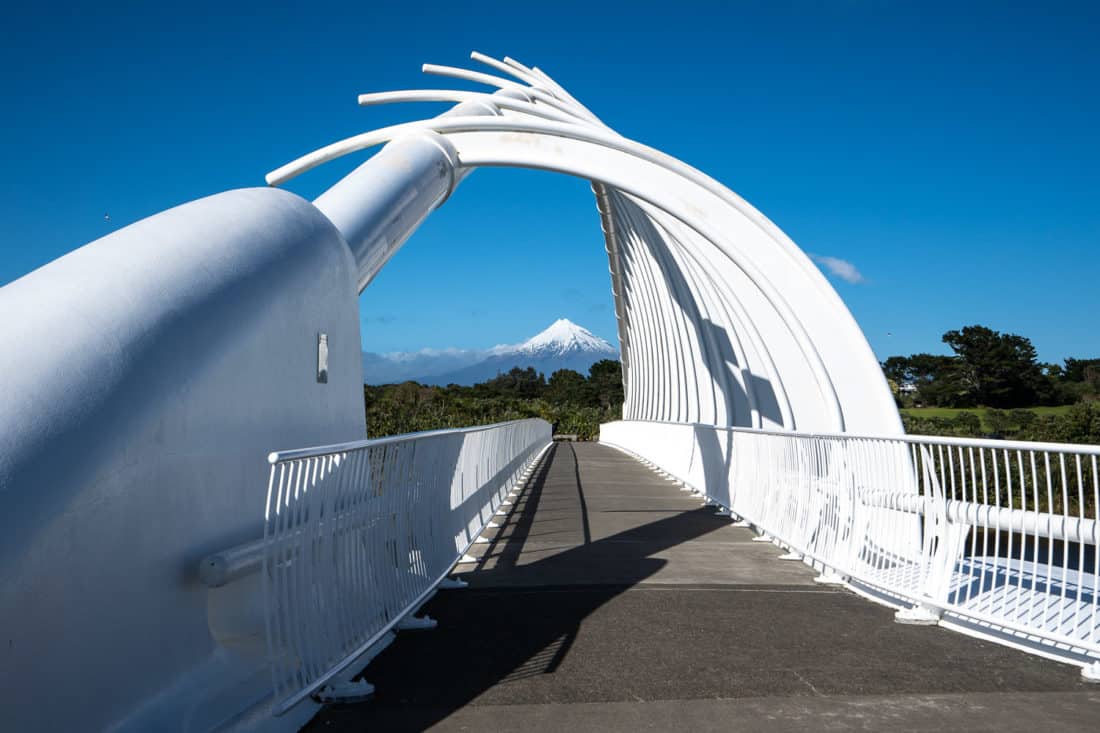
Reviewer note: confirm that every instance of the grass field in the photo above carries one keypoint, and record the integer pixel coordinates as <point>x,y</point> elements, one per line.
<point>981,412</point>
<point>950,412</point>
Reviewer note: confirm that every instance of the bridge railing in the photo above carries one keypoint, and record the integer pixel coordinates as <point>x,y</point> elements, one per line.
<point>998,536</point>
<point>358,535</point>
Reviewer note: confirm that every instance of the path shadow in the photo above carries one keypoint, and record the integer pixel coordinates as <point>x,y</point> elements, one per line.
<point>518,618</point>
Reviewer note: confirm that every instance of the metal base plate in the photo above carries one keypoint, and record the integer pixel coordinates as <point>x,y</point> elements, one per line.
<point>345,692</point>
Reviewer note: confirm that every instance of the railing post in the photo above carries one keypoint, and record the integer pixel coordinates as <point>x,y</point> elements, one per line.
<point>941,555</point>
<point>355,529</point>
<point>893,515</point>
<point>830,576</point>
<point>416,623</point>
<point>453,584</point>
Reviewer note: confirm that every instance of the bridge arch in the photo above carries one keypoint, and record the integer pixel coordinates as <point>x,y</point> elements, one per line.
<point>150,372</point>
<point>722,319</point>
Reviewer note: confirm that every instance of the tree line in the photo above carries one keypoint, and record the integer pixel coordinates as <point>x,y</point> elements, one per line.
<point>1080,423</point>
<point>990,369</point>
<point>572,402</point>
<point>996,377</point>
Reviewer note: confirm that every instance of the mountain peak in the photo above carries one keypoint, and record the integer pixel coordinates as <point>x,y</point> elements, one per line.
<point>564,345</point>
<point>563,336</point>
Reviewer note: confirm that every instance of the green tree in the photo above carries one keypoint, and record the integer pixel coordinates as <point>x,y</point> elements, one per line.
<point>571,402</point>
<point>606,380</point>
<point>997,369</point>
<point>937,378</point>
<point>1081,424</point>
<point>1082,370</point>
<point>568,387</point>
<point>1077,381</point>
<point>526,383</point>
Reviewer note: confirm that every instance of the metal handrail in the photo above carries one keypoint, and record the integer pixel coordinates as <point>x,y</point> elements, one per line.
<point>1001,534</point>
<point>358,535</point>
<point>335,448</point>
<point>1082,448</point>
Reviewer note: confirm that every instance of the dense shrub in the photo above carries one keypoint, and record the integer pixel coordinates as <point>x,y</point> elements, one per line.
<point>572,403</point>
<point>1079,424</point>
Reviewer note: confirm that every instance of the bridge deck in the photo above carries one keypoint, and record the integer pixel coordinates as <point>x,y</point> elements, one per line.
<point>610,600</point>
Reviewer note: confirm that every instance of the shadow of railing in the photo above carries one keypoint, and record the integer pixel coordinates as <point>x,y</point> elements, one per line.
<point>516,620</point>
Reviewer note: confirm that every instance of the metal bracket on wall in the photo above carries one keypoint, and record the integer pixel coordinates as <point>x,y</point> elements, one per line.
<point>345,692</point>
<point>322,358</point>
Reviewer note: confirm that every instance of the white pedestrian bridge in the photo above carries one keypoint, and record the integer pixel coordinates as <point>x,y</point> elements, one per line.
<point>197,538</point>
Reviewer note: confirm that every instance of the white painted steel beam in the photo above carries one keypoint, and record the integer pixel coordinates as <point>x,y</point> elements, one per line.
<point>194,341</point>
<point>721,318</point>
<point>995,538</point>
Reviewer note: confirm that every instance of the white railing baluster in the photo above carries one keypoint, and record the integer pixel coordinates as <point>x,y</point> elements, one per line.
<point>901,515</point>
<point>1095,555</point>
<point>357,535</point>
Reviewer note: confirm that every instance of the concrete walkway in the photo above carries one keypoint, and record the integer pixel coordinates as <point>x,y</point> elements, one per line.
<point>611,600</point>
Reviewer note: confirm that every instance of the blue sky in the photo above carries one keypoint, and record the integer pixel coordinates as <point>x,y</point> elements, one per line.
<point>949,152</point>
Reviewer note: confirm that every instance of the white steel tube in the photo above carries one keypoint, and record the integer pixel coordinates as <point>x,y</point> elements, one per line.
<point>452,95</point>
<point>382,202</point>
<point>362,533</point>
<point>616,143</point>
<point>918,519</point>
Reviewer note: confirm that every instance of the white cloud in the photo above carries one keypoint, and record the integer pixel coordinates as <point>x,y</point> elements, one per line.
<point>843,269</point>
<point>428,352</point>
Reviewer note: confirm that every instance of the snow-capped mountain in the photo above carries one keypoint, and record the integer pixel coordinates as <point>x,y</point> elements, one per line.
<point>562,338</point>
<point>564,345</point>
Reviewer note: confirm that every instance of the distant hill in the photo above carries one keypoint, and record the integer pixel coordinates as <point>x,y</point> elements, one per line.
<point>564,345</point>
<point>402,366</point>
